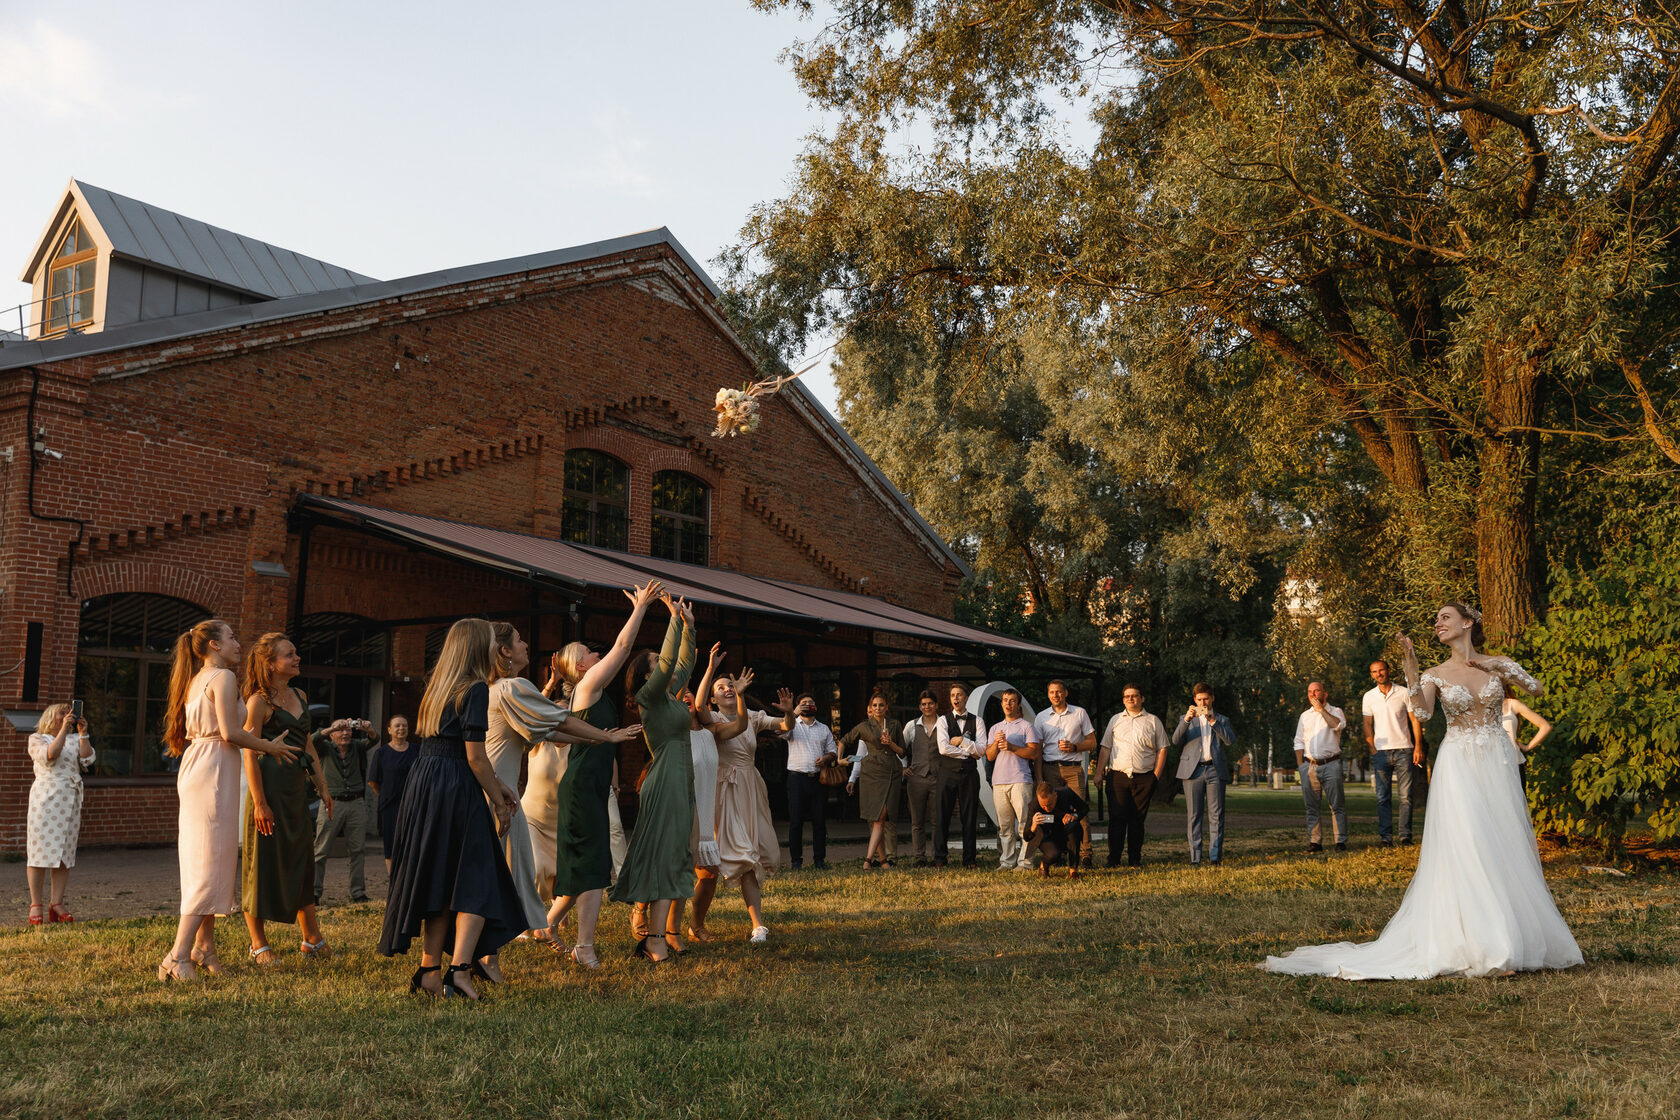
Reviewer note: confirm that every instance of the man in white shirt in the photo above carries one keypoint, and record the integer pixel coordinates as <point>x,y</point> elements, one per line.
<point>1396,741</point>
<point>811,746</point>
<point>1067,735</point>
<point>1318,757</point>
<point>1132,759</point>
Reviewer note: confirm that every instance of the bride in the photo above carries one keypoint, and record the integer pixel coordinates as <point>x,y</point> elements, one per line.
<point>1478,903</point>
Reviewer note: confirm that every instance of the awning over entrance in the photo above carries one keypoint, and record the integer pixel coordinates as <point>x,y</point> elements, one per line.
<point>570,568</point>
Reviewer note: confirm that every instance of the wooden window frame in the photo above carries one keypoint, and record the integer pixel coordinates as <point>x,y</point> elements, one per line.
<point>49,326</point>
<point>594,503</point>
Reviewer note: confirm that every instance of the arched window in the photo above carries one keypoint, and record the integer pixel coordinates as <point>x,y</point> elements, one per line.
<point>681,518</point>
<point>122,677</point>
<point>70,282</point>
<point>596,505</point>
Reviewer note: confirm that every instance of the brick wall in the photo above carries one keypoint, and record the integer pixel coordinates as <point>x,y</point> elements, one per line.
<point>184,457</point>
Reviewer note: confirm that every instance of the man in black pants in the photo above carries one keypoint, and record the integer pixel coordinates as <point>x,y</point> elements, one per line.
<point>1132,759</point>
<point>1055,827</point>
<point>962,742</point>
<point>811,746</point>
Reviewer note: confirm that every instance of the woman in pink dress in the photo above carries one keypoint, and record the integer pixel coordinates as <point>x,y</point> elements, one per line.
<point>204,726</point>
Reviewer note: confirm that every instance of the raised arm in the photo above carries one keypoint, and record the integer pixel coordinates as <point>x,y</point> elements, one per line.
<point>724,730</point>
<point>660,679</point>
<point>589,686</point>
<point>1421,691</point>
<point>1510,673</point>
<point>703,690</point>
<point>687,652</point>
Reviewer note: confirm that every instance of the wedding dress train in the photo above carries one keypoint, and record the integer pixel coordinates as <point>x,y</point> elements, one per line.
<point>1478,902</point>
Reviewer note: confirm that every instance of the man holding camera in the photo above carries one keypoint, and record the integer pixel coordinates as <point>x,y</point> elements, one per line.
<point>1204,736</point>
<point>342,747</point>
<point>1054,828</point>
<point>811,747</point>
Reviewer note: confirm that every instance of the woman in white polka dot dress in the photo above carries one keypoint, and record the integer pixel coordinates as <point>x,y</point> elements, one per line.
<point>60,750</point>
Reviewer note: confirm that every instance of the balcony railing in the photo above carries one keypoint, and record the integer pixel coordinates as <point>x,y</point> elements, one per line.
<point>49,317</point>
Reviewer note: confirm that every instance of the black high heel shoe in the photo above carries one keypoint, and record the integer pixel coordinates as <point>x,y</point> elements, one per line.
<point>478,973</point>
<point>414,984</point>
<point>451,988</point>
<point>641,950</point>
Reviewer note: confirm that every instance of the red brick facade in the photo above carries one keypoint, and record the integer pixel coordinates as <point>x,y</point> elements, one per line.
<point>184,458</point>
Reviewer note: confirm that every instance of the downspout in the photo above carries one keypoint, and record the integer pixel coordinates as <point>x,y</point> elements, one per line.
<point>37,447</point>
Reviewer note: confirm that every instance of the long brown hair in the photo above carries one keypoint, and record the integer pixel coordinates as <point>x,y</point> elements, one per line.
<point>500,665</point>
<point>259,667</point>
<point>191,649</point>
<point>468,658</point>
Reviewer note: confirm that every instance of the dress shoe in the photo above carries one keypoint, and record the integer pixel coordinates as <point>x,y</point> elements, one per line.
<point>1341,845</point>
<point>1315,847</point>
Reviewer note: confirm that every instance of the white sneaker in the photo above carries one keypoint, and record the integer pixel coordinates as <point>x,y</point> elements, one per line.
<point>761,935</point>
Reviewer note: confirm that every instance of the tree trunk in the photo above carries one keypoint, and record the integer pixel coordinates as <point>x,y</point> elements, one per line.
<point>1506,568</point>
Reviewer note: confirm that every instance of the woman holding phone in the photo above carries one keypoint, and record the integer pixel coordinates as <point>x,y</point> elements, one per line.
<point>60,750</point>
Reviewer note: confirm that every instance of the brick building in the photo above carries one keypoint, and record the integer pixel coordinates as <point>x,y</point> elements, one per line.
<point>193,423</point>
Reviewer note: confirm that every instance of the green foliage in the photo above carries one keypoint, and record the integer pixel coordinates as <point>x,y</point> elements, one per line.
<point>1609,656</point>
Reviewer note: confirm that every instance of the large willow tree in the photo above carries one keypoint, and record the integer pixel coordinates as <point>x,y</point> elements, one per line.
<point>1444,228</point>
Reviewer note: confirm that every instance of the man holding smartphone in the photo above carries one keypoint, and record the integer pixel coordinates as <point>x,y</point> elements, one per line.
<point>342,747</point>
<point>1204,736</point>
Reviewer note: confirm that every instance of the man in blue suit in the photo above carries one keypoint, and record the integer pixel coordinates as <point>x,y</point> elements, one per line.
<point>1205,772</point>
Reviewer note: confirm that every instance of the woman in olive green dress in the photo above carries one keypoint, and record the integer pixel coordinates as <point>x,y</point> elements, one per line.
<point>659,866</point>
<point>878,776</point>
<point>278,852</point>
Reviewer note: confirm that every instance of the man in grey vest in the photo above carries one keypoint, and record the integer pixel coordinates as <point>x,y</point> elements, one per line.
<point>921,775</point>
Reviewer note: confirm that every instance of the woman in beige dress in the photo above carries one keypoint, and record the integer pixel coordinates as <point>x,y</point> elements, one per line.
<point>60,750</point>
<point>748,848</point>
<point>204,726</point>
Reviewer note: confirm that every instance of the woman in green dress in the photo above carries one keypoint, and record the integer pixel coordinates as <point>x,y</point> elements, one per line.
<point>278,851</point>
<point>878,768</point>
<point>659,867</point>
<point>581,853</point>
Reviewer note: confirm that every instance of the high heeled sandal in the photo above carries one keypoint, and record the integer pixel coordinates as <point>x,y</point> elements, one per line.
<point>264,957</point>
<point>207,960</point>
<point>36,914</point>
<point>641,950</point>
<point>593,962</point>
<point>414,984</point>
<point>452,989</point>
<point>172,969</point>
<point>317,950</point>
<point>57,913</point>
<point>698,935</point>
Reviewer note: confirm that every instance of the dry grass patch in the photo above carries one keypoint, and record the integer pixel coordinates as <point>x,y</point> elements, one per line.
<point>886,994</point>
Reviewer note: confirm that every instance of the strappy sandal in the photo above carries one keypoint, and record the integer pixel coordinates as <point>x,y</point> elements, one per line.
<point>317,950</point>
<point>57,913</point>
<point>172,969</point>
<point>698,935</point>
<point>592,963</point>
<point>207,960</point>
<point>36,914</point>
<point>676,950</point>
<point>452,989</point>
<point>414,984</point>
<point>641,950</point>
<point>264,957</point>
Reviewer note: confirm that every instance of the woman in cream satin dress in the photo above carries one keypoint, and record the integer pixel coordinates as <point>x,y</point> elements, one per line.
<point>521,716</point>
<point>1478,904</point>
<point>204,726</point>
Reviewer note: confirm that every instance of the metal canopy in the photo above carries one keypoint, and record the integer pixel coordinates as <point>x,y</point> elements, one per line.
<point>572,568</point>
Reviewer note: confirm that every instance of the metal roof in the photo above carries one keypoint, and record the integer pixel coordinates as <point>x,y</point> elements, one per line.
<point>572,566</point>
<point>188,246</point>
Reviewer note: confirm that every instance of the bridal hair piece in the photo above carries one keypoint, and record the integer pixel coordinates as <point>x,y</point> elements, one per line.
<point>1470,612</point>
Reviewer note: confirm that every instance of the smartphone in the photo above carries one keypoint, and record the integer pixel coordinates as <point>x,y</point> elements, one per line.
<point>75,709</point>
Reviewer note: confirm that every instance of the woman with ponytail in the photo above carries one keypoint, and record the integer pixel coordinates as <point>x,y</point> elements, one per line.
<point>278,855</point>
<point>204,726</point>
<point>448,875</point>
<point>582,854</point>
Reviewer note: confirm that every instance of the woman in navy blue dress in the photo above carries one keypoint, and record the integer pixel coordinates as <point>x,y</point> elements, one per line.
<point>449,877</point>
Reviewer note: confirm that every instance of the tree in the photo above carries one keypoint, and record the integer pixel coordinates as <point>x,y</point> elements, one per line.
<point>1445,230</point>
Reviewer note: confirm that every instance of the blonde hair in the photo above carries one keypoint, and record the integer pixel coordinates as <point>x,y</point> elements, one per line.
<point>191,648</point>
<point>501,666</point>
<point>48,716</point>
<point>468,658</point>
<point>259,666</point>
<point>570,671</point>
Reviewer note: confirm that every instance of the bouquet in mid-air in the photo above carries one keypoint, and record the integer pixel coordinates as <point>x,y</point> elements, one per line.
<point>738,409</point>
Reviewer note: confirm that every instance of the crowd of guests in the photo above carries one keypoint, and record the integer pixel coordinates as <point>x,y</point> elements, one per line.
<point>474,863</point>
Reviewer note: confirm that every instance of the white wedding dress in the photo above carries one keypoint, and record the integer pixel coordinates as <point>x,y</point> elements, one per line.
<point>1478,902</point>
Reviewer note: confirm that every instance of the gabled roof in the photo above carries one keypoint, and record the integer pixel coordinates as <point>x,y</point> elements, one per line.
<point>176,243</point>
<point>15,354</point>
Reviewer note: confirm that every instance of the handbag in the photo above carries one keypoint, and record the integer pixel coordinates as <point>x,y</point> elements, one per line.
<point>834,774</point>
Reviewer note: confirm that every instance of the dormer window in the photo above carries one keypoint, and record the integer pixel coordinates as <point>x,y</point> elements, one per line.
<point>70,284</point>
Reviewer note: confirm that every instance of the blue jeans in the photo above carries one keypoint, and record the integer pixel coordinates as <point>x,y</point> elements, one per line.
<point>1204,787</point>
<point>1386,765</point>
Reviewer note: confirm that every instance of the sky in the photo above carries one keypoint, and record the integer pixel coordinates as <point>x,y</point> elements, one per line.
<point>395,139</point>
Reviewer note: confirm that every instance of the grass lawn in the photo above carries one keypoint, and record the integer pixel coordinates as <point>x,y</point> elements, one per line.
<point>885,994</point>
